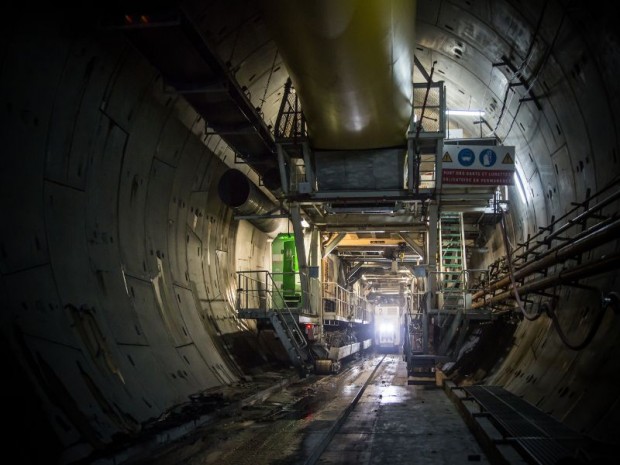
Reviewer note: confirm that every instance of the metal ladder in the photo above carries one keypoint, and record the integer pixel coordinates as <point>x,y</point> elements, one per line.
<point>452,260</point>
<point>259,297</point>
<point>285,325</point>
<point>289,332</point>
<point>452,277</point>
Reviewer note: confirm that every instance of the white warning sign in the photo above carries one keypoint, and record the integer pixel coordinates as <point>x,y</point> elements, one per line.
<point>477,165</point>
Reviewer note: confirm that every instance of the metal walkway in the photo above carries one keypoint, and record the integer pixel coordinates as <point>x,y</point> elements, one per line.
<point>188,62</point>
<point>538,438</point>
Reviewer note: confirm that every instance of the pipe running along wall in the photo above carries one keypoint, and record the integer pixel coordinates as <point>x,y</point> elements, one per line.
<point>351,63</point>
<point>239,193</point>
<point>595,236</point>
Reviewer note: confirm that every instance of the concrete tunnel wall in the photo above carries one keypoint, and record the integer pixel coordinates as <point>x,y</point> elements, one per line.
<point>118,258</point>
<point>566,151</point>
<point>109,204</point>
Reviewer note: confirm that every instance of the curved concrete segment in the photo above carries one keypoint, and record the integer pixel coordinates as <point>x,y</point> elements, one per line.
<point>119,262</point>
<point>353,74</point>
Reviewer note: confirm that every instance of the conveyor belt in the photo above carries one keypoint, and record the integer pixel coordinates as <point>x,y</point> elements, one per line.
<point>540,437</point>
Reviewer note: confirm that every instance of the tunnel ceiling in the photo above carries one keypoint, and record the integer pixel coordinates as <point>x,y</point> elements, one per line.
<point>481,50</point>
<point>491,56</point>
<point>118,256</point>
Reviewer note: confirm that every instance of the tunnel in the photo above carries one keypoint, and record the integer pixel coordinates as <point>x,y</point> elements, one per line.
<point>201,196</point>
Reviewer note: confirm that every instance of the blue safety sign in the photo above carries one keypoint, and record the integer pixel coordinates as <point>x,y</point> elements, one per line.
<point>466,157</point>
<point>467,165</point>
<point>487,158</point>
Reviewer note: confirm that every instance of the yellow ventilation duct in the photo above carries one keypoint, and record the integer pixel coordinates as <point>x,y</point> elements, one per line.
<point>351,62</point>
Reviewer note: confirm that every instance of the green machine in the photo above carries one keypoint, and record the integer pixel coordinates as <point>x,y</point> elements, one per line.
<point>285,270</point>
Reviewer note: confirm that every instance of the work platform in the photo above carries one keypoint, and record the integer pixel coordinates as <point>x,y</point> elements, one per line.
<point>258,314</point>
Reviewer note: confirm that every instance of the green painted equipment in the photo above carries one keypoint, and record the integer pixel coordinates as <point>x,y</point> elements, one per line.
<point>285,270</point>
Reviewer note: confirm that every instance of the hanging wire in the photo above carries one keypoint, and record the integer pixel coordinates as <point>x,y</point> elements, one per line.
<point>611,300</point>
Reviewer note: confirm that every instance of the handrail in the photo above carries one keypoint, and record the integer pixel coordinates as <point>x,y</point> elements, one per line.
<point>525,249</point>
<point>284,321</point>
<point>347,303</point>
<point>472,286</point>
<point>547,255</point>
<point>268,286</point>
<point>259,289</point>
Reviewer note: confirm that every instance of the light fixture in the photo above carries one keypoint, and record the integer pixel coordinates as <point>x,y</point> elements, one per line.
<point>386,327</point>
<point>520,188</point>
<point>465,112</point>
<point>304,223</point>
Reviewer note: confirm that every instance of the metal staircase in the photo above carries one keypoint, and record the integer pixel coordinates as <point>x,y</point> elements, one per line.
<point>452,285</point>
<point>291,337</point>
<point>452,261</point>
<point>260,297</point>
<point>452,266</point>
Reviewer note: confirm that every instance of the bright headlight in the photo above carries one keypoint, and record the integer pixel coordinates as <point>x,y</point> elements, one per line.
<point>386,327</point>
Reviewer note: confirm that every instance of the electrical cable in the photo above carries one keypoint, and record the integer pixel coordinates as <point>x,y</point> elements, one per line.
<point>610,301</point>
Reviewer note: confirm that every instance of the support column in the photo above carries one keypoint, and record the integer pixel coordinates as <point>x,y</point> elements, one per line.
<point>411,182</point>
<point>314,253</point>
<point>431,278</point>
<point>282,166</point>
<point>314,258</point>
<point>310,176</point>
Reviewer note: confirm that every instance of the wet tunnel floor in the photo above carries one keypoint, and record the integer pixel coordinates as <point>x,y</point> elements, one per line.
<point>396,423</point>
<point>310,421</point>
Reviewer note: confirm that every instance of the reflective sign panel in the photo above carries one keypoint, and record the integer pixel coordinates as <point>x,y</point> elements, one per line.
<point>467,165</point>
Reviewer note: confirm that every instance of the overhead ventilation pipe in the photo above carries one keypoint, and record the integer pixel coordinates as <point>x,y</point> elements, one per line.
<point>351,63</point>
<point>241,194</point>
